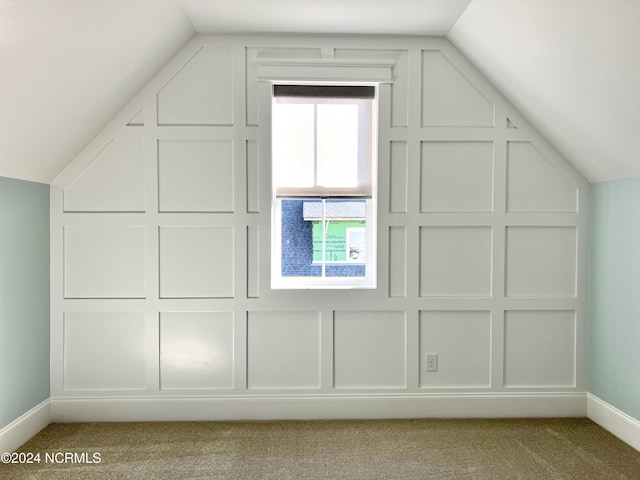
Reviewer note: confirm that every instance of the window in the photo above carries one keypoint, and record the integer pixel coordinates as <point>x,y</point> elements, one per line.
<point>323,160</point>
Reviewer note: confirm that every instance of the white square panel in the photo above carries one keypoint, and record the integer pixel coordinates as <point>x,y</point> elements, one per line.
<point>201,92</point>
<point>253,176</point>
<point>104,262</point>
<point>283,350</point>
<point>534,184</point>
<point>195,176</point>
<point>398,177</point>
<point>370,350</point>
<point>539,349</point>
<point>105,351</point>
<point>196,261</point>
<point>456,177</point>
<point>112,182</point>
<point>462,341</point>
<point>449,98</point>
<point>397,261</point>
<point>253,262</point>
<point>455,261</point>
<point>196,350</point>
<point>541,262</point>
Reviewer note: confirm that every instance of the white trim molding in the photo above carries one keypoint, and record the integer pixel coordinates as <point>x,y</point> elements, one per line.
<point>623,426</point>
<point>25,427</point>
<point>119,409</point>
<point>378,70</point>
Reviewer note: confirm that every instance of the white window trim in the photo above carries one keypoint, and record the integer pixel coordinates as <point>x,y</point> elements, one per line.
<point>317,70</point>
<point>369,281</point>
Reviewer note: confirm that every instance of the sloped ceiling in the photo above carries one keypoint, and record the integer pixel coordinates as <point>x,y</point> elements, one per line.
<point>571,66</point>
<point>68,67</point>
<point>399,17</point>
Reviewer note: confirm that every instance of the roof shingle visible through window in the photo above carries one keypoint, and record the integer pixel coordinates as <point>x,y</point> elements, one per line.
<point>312,210</point>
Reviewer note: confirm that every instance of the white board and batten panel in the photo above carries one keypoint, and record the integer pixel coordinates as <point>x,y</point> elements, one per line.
<point>535,185</point>
<point>283,350</point>
<point>196,350</point>
<point>541,261</point>
<point>196,261</point>
<point>195,175</point>
<point>112,182</point>
<point>539,349</point>
<point>105,351</point>
<point>449,99</point>
<point>200,93</point>
<point>253,177</point>
<point>455,261</point>
<point>161,248</point>
<point>104,261</point>
<point>397,261</point>
<point>398,177</point>
<point>462,341</point>
<point>369,350</point>
<point>456,177</point>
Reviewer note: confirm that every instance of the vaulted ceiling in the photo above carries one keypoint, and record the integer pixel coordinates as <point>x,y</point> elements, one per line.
<point>571,66</point>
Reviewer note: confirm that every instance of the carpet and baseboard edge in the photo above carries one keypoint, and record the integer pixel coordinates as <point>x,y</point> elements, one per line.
<point>24,427</point>
<point>607,416</point>
<point>623,426</point>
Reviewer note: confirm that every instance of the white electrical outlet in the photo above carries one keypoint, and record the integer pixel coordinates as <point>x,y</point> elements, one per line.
<point>431,362</point>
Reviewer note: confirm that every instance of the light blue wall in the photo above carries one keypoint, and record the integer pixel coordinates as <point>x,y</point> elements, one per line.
<point>614,350</point>
<point>24,297</point>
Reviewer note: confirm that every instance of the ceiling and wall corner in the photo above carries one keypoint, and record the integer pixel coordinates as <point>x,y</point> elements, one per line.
<point>69,66</point>
<point>372,17</point>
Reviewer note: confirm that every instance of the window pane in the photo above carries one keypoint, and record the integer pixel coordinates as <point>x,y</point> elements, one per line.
<point>297,240</point>
<point>293,145</point>
<point>356,244</point>
<point>321,145</point>
<point>342,239</point>
<point>338,145</point>
<point>342,217</point>
<point>323,169</point>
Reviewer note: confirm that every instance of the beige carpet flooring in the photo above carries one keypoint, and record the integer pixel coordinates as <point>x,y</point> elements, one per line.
<point>534,449</point>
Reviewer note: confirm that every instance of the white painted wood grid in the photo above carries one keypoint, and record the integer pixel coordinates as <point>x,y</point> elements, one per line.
<point>161,240</point>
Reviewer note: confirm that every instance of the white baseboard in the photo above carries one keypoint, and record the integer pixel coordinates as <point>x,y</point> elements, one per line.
<point>309,407</point>
<point>623,426</point>
<point>25,427</point>
<point>107,409</point>
<point>113,409</point>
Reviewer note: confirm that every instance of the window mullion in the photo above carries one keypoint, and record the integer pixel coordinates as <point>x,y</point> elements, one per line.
<point>324,241</point>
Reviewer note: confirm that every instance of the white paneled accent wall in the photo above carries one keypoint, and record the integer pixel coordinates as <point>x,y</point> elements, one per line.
<point>196,350</point>
<point>161,230</point>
